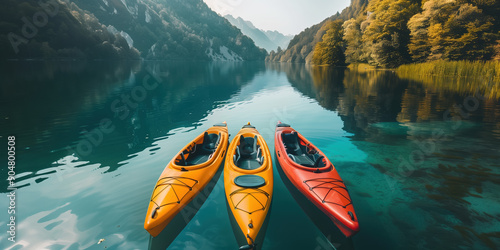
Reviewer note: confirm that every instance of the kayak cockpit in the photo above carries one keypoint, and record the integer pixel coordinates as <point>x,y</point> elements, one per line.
<point>300,152</point>
<point>248,154</point>
<point>199,151</point>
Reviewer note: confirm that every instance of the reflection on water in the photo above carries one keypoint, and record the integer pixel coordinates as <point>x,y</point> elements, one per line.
<point>334,237</point>
<point>56,103</point>
<point>421,162</point>
<point>438,149</point>
<point>181,220</point>
<point>485,85</point>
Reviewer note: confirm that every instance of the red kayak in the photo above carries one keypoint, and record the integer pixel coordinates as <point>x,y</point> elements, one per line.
<point>315,176</point>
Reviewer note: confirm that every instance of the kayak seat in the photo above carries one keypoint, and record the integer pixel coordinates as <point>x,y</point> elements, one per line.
<point>209,143</point>
<point>308,160</point>
<point>201,152</point>
<point>248,146</point>
<point>301,159</point>
<point>297,152</point>
<point>248,154</point>
<point>249,181</point>
<point>292,144</point>
<point>197,159</point>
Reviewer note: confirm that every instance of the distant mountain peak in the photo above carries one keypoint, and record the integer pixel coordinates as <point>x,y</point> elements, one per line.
<point>250,24</point>
<point>269,40</point>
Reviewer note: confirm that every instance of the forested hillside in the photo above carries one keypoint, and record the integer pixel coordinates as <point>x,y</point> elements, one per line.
<point>53,29</point>
<point>300,48</point>
<point>388,33</point>
<point>107,29</point>
<point>175,29</point>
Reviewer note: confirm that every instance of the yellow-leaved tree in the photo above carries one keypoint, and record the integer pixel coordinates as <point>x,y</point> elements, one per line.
<point>330,51</point>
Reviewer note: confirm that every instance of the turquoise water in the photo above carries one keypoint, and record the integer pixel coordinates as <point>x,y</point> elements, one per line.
<point>422,166</point>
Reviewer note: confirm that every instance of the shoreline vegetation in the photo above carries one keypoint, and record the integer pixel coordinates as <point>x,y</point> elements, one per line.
<point>424,40</point>
<point>474,77</point>
<point>466,77</point>
<point>487,70</point>
<point>388,34</point>
<point>128,30</point>
<point>449,45</point>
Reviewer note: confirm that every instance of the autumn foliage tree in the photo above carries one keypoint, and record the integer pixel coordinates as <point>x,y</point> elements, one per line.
<point>386,32</point>
<point>452,30</point>
<point>355,51</point>
<point>330,51</point>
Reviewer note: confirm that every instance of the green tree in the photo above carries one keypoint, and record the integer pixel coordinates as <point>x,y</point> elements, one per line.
<point>497,51</point>
<point>386,31</point>
<point>419,46</point>
<point>330,50</point>
<point>437,41</point>
<point>470,34</point>
<point>353,37</point>
<point>452,30</point>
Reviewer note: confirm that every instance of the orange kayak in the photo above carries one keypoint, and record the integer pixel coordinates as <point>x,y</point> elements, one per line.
<point>185,176</point>
<point>312,173</point>
<point>248,182</point>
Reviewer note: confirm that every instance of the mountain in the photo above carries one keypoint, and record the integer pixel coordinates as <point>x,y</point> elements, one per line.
<point>387,33</point>
<point>53,29</point>
<point>301,47</point>
<point>158,30</point>
<point>269,40</point>
<point>174,29</point>
<point>278,38</point>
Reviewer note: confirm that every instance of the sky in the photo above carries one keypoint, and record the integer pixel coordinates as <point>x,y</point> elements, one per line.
<point>289,17</point>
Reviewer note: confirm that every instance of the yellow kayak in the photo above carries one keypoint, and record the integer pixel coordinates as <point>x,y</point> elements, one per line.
<point>248,182</point>
<point>185,176</point>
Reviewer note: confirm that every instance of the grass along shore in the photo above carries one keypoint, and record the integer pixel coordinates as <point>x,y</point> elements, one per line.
<point>488,70</point>
<point>462,76</point>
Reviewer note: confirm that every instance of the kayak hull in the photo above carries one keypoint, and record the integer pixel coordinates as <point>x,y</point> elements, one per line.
<point>184,177</point>
<point>321,184</point>
<point>249,205</point>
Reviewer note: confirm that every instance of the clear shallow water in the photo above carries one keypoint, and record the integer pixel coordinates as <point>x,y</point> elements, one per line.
<point>94,137</point>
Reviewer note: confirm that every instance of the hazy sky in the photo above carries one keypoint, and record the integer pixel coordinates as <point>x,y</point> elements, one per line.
<point>285,16</point>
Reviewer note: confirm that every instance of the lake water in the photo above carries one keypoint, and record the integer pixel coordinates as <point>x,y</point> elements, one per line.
<point>422,164</point>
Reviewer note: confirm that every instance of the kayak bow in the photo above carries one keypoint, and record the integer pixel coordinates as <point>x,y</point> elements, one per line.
<point>312,173</point>
<point>185,176</point>
<point>248,182</point>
